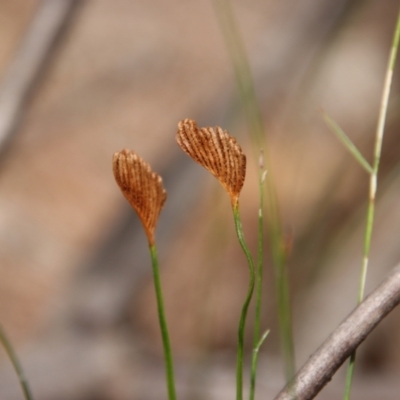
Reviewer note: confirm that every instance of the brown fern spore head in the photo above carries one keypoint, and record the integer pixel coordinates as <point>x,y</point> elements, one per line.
<point>141,186</point>
<point>217,151</point>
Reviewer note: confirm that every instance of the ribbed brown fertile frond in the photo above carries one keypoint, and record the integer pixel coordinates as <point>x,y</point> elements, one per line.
<point>217,151</point>
<point>141,186</point>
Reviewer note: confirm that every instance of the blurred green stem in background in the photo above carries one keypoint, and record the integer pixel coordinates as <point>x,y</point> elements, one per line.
<point>255,123</point>
<point>257,341</point>
<point>15,363</point>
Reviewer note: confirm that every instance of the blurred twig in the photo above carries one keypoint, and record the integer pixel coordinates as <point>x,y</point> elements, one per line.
<point>18,82</point>
<point>48,22</point>
<point>321,366</point>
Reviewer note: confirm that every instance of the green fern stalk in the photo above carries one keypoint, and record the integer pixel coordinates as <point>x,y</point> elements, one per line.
<point>245,308</point>
<point>163,325</point>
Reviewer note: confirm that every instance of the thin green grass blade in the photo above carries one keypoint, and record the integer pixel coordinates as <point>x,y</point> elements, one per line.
<point>254,361</point>
<point>12,355</point>
<point>259,274</point>
<point>373,185</point>
<point>348,144</point>
<point>261,341</point>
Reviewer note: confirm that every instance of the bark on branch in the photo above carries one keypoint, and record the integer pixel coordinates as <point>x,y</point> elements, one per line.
<point>321,366</point>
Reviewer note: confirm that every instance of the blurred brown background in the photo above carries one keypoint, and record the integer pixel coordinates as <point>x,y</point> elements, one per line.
<point>83,79</point>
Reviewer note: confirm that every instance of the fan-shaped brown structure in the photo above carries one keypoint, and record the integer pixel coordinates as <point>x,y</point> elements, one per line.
<point>217,151</point>
<point>141,186</point>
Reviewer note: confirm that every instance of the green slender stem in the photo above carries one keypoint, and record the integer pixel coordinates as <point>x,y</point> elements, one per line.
<point>254,360</point>
<point>349,375</point>
<point>163,325</point>
<point>253,115</point>
<point>243,315</point>
<point>373,184</point>
<point>15,363</point>
<point>259,273</point>
<point>348,144</point>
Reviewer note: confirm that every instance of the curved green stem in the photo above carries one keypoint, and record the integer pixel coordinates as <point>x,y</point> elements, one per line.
<point>243,315</point>
<point>163,325</point>
<point>247,95</point>
<point>15,363</point>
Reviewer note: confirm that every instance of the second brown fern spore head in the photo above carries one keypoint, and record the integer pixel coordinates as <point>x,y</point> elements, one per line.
<point>217,151</point>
